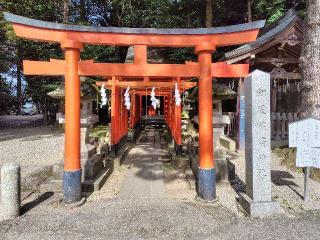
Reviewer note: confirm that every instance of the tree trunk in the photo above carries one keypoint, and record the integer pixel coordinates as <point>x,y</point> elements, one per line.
<point>19,90</point>
<point>310,62</point>
<point>249,10</point>
<point>19,79</point>
<point>66,11</point>
<point>83,11</point>
<point>209,13</point>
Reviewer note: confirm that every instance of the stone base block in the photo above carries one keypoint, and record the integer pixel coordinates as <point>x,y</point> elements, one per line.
<point>58,170</point>
<point>52,185</point>
<point>228,143</point>
<point>222,175</point>
<point>87,151</point>
<point>92,167</point>
<point>240,155</point>
<point>258,209</point>
<point>97,183</point>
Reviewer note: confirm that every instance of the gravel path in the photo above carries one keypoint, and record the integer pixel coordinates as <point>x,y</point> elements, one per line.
<point>32,148</point>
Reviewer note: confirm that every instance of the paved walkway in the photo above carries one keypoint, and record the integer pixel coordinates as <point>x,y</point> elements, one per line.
<point>145,178</point>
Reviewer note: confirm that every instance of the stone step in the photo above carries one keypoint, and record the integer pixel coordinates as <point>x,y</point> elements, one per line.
<point>97,183</point>
<point>91,150</point>
<point>92,166</point>
<point>52,185</point>
<point>55,185</point>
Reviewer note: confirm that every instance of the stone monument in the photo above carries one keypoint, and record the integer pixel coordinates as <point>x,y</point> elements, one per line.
<point>258,198</point>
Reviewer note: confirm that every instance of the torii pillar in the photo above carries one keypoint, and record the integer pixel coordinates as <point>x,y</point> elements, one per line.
<point>207,172</point>
<point>177,132</point>
<point>72,165</point>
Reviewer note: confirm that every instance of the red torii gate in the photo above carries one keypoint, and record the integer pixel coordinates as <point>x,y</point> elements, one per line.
<point>72,39</point>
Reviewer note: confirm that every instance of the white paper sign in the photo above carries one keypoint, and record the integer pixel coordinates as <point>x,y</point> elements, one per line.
<point>61,120</point>
<point>308,157</point>
<point>305,136</point>
<point>304,133</point>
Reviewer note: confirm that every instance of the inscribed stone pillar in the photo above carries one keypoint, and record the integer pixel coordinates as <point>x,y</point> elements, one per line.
<point>257,201</point>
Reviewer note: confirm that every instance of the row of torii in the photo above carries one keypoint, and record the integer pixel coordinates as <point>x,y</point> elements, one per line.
<point>138,76</point>
<point>172,110</point>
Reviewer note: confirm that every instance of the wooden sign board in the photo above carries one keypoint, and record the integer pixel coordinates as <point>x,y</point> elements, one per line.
<point>304,133</point>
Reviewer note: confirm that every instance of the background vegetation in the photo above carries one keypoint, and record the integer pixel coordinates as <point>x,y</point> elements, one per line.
<point>15,88</point>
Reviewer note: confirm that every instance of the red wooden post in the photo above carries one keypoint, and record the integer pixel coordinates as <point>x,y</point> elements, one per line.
<point>121,114</point>
<point>165,108</point>
<point>178,125</point>
<point>118,125</point>
<point>140,106</point>
<point>114,113</point>
<point>207,178</point>
<point>132,111</point>
<point>174,122</point>
<point>72,166</point>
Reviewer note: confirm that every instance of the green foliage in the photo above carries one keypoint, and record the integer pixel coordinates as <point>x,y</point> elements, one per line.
<point>99,131</point>
<point>272,8</point>
<point>18,49</point>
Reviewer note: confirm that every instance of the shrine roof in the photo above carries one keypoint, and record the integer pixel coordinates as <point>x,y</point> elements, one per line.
<point>267,35</point>
<point>164,31</point>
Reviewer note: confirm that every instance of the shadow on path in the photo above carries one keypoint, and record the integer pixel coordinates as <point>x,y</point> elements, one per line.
<point>30,205</point>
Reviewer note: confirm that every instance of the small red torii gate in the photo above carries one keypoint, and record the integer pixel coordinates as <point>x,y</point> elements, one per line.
<point>139,88</point>
<point>73,38</point>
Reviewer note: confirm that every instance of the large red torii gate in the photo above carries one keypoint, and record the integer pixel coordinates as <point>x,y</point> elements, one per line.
<point>72,39</point>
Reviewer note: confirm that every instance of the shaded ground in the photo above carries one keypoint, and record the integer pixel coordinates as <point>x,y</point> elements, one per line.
<point>14,121</point>
<point>287,156</point>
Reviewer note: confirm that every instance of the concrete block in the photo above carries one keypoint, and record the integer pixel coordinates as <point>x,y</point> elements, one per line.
<point>258,209</point>
<point>221,171</point>
<point>228,143</point>
<point>221,166</point>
